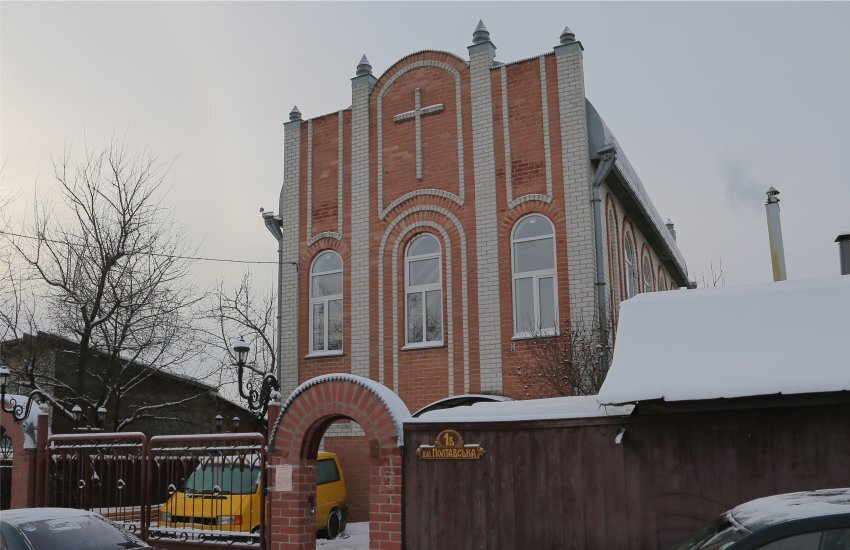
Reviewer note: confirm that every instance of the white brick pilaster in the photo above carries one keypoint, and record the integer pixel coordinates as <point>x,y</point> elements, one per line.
<point>290,210</point>
<point>486,223</point>
<point>581,254</point>
<point>361,322</point>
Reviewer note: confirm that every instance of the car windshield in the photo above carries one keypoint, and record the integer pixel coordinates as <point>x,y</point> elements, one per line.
<point>78,532</point>
<point>718,534</point>
<point>225,479</point>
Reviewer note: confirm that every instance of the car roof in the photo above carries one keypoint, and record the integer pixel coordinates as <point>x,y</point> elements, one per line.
<point>325,454</point>
<point>764,512</point>
<point>26,515</point>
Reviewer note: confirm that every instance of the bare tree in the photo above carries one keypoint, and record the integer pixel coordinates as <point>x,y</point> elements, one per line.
<point>567,363</point>
<point>714,277</point>
<point>241,312</point>
<point>111,273</point>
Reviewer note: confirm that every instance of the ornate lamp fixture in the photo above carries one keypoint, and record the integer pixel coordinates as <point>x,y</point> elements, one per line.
<point>19,411</point>
<point>258,399</point>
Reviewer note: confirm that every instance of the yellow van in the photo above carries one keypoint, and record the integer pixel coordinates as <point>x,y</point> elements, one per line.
<point>224,495</point>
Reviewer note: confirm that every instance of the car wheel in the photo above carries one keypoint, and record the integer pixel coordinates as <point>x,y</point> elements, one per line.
<point>334,522</point>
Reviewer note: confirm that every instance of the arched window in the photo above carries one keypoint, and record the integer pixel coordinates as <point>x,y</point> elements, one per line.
<point>423,281</point>
<point>326,304</point>
<point>631,268</point>
<point>534,277</point>
<point>613,257</point>
<point>662,280</point>
<point>646,271</point>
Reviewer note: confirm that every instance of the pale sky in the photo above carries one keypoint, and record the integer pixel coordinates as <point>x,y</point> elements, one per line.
<point>712,102</point>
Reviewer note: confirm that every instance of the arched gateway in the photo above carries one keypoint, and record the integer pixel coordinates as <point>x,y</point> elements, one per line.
<point>303,419</point>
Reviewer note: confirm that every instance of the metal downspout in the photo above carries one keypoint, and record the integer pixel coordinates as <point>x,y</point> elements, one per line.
<point>608,154</point>
<point>273,224</point>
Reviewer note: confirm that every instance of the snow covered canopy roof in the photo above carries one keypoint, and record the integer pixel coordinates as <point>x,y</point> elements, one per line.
<point>790,337</point>
<point>555,408</point>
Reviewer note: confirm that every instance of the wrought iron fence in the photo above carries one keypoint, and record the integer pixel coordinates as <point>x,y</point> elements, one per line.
<point>198,489</point>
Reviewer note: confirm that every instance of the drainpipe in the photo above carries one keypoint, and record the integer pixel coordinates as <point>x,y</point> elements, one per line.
<point>843,241</point>
<point>774,234</point>
<point>608,154</point>
<point>273,224</point>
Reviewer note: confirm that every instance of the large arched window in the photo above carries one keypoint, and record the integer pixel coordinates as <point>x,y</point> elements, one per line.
<point>646,271</point>
<point>326,304</point>
<point>662,280</point>
<point>423,281</point>
<point>534,277</point>
<point>631,267</point>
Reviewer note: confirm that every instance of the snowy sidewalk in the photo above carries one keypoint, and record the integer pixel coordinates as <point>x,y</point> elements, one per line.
<point>355,537</point>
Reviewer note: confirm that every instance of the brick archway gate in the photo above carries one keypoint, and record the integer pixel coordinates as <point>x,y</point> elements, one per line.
<point>298,431</point>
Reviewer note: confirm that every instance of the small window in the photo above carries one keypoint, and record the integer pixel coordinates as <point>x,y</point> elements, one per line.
<point>424,291</point>
<point>613,256</point>
<point>534,277</point>
<point>631,268</point>
<point>646,270</point>
<point>327,471</point>
<point>326,304</point>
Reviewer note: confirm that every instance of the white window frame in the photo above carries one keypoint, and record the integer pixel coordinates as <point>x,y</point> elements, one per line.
<point>629,261</point>
<point>535,281</point>
<point>648,276</point>
<point>423,290</point>
<point>324,300</point>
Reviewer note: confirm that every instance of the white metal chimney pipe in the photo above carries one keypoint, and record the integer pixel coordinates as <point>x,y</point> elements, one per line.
<point>774,234</point>
<point>843,241</point>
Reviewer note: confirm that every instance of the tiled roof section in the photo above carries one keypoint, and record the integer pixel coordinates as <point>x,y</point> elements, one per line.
<point>600,135</point>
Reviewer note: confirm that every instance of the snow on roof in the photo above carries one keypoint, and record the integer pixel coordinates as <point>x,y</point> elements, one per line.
<point>554,408</point>
<point>762,512</point>
<point>30,423</point>
<point>789,337</point>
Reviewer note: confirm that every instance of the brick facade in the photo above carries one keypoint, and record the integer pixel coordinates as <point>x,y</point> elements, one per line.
<point>461,149</point>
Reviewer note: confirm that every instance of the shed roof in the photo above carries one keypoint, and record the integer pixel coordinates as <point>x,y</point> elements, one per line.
<point>790,337</point>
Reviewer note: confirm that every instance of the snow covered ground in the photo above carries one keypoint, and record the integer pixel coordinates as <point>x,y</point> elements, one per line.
<point>356,537</point>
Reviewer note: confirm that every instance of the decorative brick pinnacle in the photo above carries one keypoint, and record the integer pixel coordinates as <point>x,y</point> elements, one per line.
<point>364,67</point>
<point>294,114</point>
<point>567,37</point>
<point>481,34</point>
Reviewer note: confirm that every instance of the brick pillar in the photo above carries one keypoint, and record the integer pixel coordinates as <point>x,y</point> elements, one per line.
<point>41,460</point>
<point>385,501</point>
<point>293,520</point>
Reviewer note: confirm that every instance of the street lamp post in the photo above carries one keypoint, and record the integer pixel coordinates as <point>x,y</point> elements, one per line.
<point>19,411</point>
<point>258,399</point>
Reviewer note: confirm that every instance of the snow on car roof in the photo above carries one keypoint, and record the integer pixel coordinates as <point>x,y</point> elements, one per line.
<point>25,515</point>
<point>763,512</point>
<point>554,408</point>
<point>789,337</point>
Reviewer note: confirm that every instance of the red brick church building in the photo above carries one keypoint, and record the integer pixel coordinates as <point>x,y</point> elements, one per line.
<point>459,205</point>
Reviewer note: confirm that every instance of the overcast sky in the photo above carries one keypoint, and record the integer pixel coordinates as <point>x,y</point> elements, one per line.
<point>712,102</point>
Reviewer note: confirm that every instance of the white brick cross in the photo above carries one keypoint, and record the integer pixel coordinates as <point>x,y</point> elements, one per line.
<point>417,113</point>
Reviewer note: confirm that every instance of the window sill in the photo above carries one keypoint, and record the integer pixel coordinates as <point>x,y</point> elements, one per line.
<point>424,345</point>
<point>315,354</point>
<point>529,336</point>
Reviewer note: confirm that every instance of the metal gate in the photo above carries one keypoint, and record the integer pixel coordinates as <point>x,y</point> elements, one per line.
<point>190,489</point>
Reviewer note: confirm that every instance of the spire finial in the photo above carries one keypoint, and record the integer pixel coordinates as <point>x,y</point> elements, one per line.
<point>567,37</point>
<point>364,67</point>
<point>481,33</point>
<point>294,114</point>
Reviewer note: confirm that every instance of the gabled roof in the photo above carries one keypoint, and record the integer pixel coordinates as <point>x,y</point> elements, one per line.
<point>790,337</point>
<point>634,196</point>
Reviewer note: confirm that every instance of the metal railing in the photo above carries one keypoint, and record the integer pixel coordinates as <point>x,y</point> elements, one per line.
<point>198,489</point>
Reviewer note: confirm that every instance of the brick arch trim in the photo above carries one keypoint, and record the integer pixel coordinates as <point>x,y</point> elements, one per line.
<point>337,395</point>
